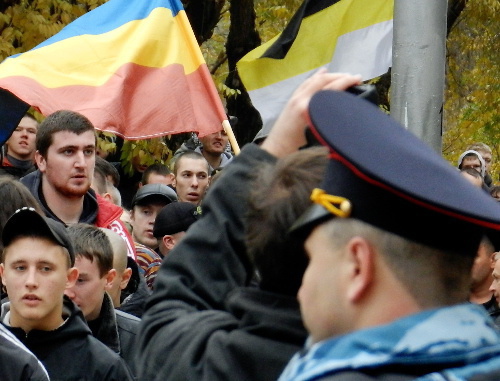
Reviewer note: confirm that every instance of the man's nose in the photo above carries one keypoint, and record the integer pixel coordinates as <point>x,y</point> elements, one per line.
<point>80,159</point>
<point>31,279</point>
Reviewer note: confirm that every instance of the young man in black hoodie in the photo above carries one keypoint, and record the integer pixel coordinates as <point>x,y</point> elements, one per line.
<point>37,266</point>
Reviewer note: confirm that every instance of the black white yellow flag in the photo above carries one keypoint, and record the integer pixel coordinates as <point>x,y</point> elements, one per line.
<point>353,36</point>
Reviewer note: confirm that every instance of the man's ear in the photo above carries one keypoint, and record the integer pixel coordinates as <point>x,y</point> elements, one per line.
<point>493,259</point>
<point>127,274</point>
<point>1,273</point>
<point>361,257</point>
<point>168,241</point>
<point>110,276</point>
<point>72,276</point>
<point>107,196</point>
<point>40,161</point>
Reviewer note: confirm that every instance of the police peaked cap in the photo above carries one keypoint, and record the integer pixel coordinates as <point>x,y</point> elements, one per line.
<point>382,174</point>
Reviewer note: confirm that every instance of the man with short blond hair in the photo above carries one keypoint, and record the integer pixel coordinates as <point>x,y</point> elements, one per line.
<point>37,267</point>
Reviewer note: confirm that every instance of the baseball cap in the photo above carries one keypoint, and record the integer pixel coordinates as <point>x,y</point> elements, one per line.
<point>148,192</point>
<point>382,174</point>
<point>175,217</point>
<point>27,221</point>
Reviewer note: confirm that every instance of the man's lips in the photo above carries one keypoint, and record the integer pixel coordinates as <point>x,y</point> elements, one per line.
<point>193,196</point>
<point>31,299</point>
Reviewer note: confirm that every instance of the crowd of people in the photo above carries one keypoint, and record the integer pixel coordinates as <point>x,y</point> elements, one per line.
<point>305,260</point>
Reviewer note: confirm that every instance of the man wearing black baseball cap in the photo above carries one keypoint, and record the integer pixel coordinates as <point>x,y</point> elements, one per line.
<point>172,222</point>
<point>146,204</point>
<point>391,239</point>
<point>37,266</point>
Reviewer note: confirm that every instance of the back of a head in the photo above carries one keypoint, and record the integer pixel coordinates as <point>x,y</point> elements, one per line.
<point>158,168</point>
<point>119,248</point>
<point>14,196</point>
<point>280,194</point>
<point>62,120</point>
<point>92,243</point>
<point>107,170</point>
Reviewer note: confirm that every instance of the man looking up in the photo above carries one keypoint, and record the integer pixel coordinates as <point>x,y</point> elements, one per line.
<point>19,158</point>
<point>65,156</point>
<point>94,261</point>
<point>192,177</point>
<point>37,266</point>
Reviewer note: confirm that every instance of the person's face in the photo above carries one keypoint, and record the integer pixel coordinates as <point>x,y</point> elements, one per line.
<point>481,269</point>
<point>320,294</point>
<point>35,273</point>
<point>495,285</point>
<point>21,144</point>
<point>487,159</point>
<point>88,291</point>
<point>69,166</point>
<point>215,143</point>
<point>156,178</point>
<point>142,220</point>
<point>471,162</point>
<point>191,180</point>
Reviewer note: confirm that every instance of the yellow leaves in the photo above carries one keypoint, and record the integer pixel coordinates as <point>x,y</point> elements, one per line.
<point>227,91</point>
<point>144,152</point>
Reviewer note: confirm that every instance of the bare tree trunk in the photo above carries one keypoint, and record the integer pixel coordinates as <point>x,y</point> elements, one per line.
<point>242,38</point>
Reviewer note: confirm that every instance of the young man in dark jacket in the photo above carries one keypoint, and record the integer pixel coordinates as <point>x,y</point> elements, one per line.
<point>94,261</point>
<point>36,268</point>
<point>65,157</point>
<point>17,362</point>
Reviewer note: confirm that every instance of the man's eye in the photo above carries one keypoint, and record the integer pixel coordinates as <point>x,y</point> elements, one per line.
<point>88,152</point>
<point>46,268</point>
<point>20,268</point>
<point>80,280</point>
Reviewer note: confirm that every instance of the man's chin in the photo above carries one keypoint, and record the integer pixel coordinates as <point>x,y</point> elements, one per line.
<point>74,192</point>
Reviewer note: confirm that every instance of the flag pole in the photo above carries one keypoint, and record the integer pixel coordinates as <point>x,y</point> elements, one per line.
<point>418,68</point>
<point>232,140</point>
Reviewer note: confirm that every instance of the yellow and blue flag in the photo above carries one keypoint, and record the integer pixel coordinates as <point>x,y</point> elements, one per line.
<point>133,67</point>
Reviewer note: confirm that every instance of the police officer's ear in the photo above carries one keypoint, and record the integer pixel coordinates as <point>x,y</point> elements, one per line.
<point>360,259</point>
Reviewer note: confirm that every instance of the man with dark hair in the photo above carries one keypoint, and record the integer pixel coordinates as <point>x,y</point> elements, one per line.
<point>482,278</point>
<point>94,261</point>
<point>65,156</point>
<point>191,177</point>
<point>389,258</point>
<point>37,266</point>
<point>19,157</point>
<point>204,311</point>
<point>146,204</point>
<point>213,147</point>
<point>157,174</point>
